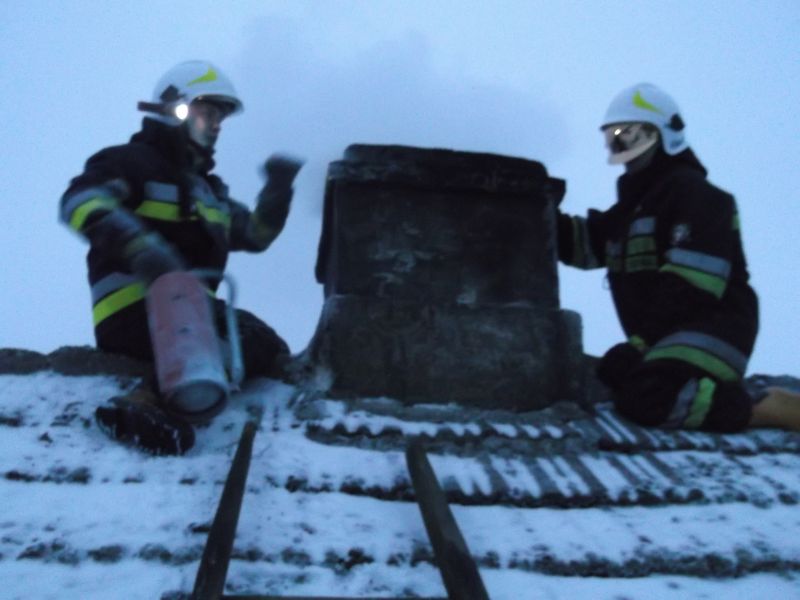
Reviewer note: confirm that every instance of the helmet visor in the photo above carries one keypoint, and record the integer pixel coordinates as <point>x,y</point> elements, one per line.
<point>223,104</point>
<point>626,141</point>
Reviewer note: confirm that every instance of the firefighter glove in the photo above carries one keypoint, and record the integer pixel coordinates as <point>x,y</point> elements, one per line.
<point>281,170</point>
<point>150,257</point>
<point>276,196</point>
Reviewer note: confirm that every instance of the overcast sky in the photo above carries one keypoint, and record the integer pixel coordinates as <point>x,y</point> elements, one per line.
<point>526,78</point>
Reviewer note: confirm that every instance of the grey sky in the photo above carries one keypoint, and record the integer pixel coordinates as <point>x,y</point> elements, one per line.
<point>523,78</point>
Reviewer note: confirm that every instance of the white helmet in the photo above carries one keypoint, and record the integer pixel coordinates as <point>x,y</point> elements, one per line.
<point>186,82</point>
<point>646,103</point>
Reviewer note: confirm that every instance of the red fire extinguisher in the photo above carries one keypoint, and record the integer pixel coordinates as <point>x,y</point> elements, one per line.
<point>189,362</point>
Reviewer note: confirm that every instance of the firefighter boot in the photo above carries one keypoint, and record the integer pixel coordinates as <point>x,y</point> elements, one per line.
<point>137,419</point>
<point>778,407</point>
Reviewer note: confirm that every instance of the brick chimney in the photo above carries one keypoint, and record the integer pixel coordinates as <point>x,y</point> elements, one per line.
<point>440,280</point>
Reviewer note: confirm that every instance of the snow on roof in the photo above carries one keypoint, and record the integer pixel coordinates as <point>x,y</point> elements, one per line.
<point>561,503</point>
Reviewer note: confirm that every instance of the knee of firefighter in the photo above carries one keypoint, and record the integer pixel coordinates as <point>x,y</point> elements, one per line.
<point>647,396</point>
<point>263,349</point>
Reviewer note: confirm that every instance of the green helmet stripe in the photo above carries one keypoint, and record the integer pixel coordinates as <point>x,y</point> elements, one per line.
<point>642,103</point>
<point>211,75</point>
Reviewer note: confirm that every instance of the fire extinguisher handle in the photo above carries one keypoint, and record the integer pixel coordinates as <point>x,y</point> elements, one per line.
<point>236,366</point>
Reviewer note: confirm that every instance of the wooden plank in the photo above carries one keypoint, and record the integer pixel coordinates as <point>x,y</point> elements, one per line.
<point>250,597</point>
<point>213,568</point>
<point>460,574</point>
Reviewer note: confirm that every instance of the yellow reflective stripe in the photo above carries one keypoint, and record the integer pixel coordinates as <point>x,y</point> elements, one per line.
<point>709,343</point>
<point>699,358</point>
<point>701,403</point>
<point>169,211</point>
<point>80,214</point>
<point>642,262</point>
<point>709,283</point>
<point>638,342</point>
<point>117,301</point>
<point>640,245</point>
<point>214,215</point>
<point>163,211</point>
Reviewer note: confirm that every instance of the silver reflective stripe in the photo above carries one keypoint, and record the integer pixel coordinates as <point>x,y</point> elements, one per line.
<point>74,201</point>
<point>643,226</point>
<point>163,192</point>
<point>683,404</point>
<point>203,192</point>
<point>713,265</point>
<point>111,283</point>
<point>713,345</point>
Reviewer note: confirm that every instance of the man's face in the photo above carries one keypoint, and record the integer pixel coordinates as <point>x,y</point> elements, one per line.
<point>204,122</point>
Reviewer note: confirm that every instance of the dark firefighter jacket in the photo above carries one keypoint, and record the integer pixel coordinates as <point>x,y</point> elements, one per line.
<point>150,185</point>
<point>675,263</point>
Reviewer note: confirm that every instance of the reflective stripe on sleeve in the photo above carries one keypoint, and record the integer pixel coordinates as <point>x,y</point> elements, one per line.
<point>715,356</point>
<point>116,301</point>
<point>82,213</point>
<point>720,348</point>
<point>692,404</point>
<point>701,403</point>
<point>708,263</point>
<point>683,402</point>
<point>705,271</point>
<point>699,358</point>
<point>709,283</point>
<point>76,208</point>
<point>213,215</point>
<point>111,283</point>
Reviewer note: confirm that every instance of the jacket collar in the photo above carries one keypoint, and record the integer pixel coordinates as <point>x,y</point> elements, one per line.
<point>174,144</point>
<point>631,186</point>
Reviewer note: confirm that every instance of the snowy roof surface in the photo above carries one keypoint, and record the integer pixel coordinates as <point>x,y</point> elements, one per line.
<point>562,503</point>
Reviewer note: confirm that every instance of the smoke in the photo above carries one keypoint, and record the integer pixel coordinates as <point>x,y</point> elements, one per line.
<point>300,101</point>
<point>392,92</point>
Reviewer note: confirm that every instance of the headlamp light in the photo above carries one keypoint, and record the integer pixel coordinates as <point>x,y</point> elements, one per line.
<point>181,111</point>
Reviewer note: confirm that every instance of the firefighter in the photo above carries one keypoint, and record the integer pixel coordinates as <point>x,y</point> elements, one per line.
<point>676,268</point>
<point>152,206</point>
